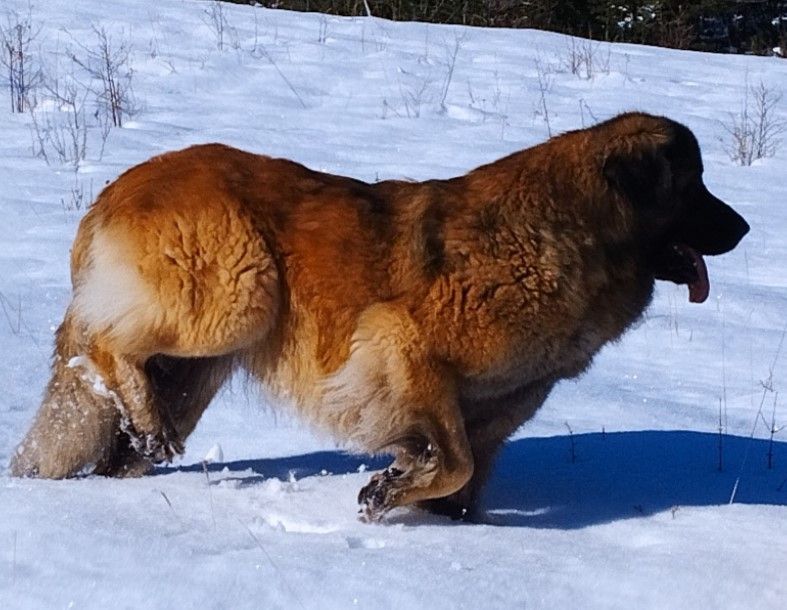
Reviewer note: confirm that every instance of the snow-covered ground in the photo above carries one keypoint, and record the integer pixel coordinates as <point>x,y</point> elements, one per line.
<point>640,517</point>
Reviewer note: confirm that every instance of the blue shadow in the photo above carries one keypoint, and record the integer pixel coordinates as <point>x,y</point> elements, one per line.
<point>250,472</point>
<point>612,476</point>
<point>627,475</point>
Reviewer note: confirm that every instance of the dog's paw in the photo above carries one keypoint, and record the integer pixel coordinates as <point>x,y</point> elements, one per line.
<point>24,463</point>
<point>377,496</point>
<point>161,448</point>
<point>156,447</point>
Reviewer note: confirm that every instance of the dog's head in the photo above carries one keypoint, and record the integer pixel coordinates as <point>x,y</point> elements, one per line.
<point>655,165</point>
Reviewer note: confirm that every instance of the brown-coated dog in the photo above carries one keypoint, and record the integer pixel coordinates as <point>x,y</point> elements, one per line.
<point>428,320</point>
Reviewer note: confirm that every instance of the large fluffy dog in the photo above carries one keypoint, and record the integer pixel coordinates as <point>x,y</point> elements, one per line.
<point>428,320</point>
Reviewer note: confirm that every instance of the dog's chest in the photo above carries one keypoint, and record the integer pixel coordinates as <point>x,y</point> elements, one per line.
<point>561,359</point>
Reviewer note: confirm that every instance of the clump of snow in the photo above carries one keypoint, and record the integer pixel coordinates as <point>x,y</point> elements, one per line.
<point>214,455</point>
<point>91,375</point>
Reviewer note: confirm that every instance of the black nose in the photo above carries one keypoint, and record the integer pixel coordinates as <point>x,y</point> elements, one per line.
<point>727,227</point>
<point>711,226</point>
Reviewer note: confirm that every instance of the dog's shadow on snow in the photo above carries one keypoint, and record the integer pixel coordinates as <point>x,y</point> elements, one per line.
<point>543,482</point>
<point>252,472</point>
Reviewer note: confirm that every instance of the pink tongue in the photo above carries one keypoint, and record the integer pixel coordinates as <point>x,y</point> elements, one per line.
<point>700,288</point>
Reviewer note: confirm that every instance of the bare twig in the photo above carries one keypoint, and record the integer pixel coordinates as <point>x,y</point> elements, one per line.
<point>210,492</point>
<point>261,50</point>
<point>582,58</point>
<point>215,18</point>
<point>721,441</point>
<point>13,313</point>
<point>767,386</point>
<point>17,35</point>
<point>415,95</point>
<point>544,85</point>
<point>755,132</point>
<point>451,64</point>
<point>275,566</point>
<point>773,430</point>
<point>108,64</point>
<point>583,106</point>
<point>571,439</point>
<point>62,130</point>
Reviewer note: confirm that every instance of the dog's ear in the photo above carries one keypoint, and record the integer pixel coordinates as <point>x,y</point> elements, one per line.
<point>642,174</point>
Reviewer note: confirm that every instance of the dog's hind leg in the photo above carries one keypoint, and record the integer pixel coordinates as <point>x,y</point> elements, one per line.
<point>144,422</point>
<point>76,428</point>
<point>183,387</point>
<point>96,403</point>
<point>199,286</point>
<point>390,396</point>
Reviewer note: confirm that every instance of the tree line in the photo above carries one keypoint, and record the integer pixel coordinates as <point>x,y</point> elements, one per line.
<point>731,26</point>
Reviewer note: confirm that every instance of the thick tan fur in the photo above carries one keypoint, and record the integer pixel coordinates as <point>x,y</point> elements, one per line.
<point>426,319</point>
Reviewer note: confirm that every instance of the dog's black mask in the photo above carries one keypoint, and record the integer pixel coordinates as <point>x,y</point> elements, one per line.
<point>708,224</point>
<point>680,220</point>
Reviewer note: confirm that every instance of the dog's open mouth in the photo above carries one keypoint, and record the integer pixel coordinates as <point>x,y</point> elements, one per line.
<point>682,264</point>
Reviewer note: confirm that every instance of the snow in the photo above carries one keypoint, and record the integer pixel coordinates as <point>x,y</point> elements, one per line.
<point>640,517</point>
<point>214,454</point>
<point>91,375</point>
